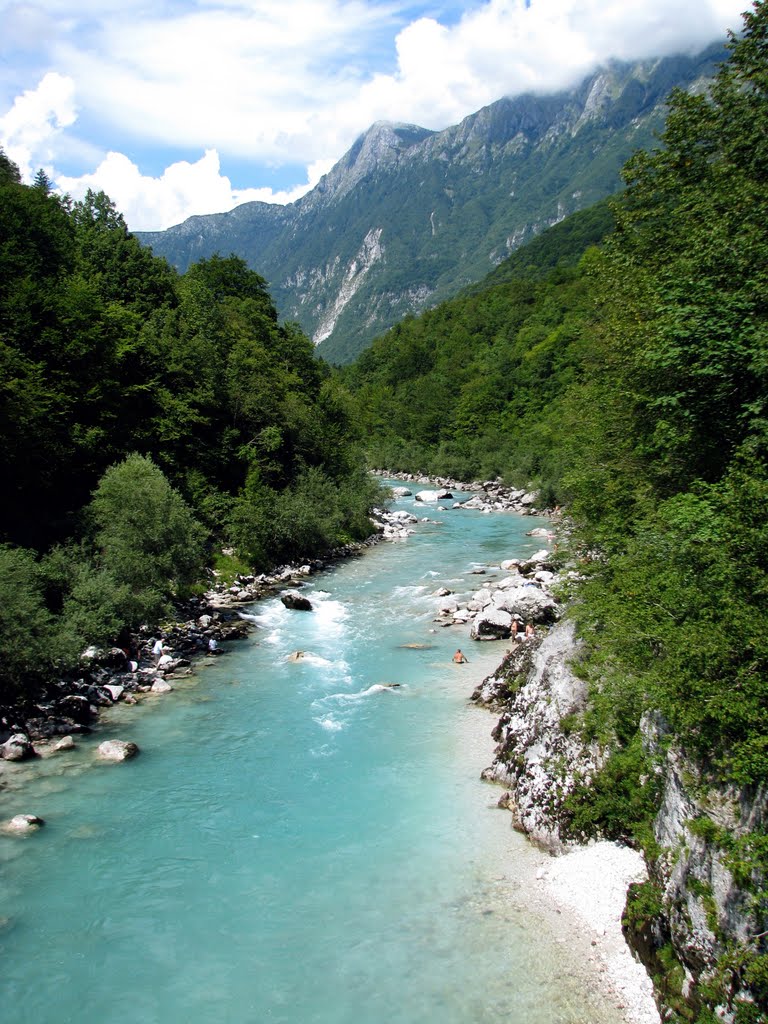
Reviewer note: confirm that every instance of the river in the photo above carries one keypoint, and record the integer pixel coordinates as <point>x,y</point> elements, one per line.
<point>296,843</point>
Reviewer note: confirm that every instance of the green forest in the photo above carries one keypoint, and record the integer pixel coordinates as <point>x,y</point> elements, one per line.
<point>148,421</point>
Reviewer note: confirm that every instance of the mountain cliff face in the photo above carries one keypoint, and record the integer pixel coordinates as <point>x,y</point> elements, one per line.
<point>408,216</point>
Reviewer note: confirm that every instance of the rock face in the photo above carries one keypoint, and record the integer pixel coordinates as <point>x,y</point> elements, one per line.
<point>535,758</point>
<point>708,895</point>
<point>707,912</point>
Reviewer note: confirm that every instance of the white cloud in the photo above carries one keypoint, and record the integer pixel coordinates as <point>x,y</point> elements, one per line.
<point>182,190</point>
<point>286,82</point>
<point>28,131</point>
<point>266,80</point>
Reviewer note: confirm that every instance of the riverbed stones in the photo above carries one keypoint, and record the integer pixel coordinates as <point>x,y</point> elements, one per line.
<point>160,686</point>
<point>117,750</point>
<point>76,707</point>
<point>65,743</point>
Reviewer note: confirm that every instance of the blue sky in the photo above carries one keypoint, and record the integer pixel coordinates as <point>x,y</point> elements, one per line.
<point>192,106</point>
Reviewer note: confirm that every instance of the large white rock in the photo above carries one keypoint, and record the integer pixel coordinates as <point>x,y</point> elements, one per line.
<point>432,495</point>
<point>491,624</point>
<point>23,823</point>
<point>528,602</point>
<point>117,750</point>
<point>160,686</point>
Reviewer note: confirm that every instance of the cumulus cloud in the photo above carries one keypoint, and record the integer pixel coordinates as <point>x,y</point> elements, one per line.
<point>267,80</point>
<point>287,82</point>
<point>182,190</point>
<point>28,130</point>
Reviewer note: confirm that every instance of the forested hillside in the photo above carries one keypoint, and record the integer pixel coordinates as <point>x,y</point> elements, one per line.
<point>631,387</point>
<point>147,419</point>
<point>473,388</point>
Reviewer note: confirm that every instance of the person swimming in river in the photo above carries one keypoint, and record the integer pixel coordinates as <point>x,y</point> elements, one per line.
<point>459,658</point>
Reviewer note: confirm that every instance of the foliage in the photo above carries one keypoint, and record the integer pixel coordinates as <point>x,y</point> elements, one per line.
<point>28,649</point>
<point>146,419</point>
<point>146,537</point>
<point>618,803</point>
<point>474,388</point>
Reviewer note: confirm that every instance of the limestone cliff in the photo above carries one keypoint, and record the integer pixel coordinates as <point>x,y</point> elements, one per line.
<point>700,923</point>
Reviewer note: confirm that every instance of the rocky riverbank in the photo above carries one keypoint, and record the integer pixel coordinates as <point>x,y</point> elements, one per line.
<point>150,661</point>
<point>686,913</point>
<point>487,495</point>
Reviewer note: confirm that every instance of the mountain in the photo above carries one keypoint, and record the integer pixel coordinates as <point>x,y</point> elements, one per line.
<point>408,216</point>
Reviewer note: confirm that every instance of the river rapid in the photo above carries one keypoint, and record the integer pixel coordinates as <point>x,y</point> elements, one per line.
<point>298,842</point>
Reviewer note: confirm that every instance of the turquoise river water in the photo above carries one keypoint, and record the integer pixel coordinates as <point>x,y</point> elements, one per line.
<point>295,843</point>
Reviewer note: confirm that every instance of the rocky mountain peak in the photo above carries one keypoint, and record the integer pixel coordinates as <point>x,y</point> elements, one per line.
<point>381,146</point>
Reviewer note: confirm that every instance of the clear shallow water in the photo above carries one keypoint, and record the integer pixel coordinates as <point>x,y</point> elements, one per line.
<point>295,843</point>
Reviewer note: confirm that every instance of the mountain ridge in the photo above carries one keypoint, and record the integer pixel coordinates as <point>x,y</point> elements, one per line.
<point>409,216</point>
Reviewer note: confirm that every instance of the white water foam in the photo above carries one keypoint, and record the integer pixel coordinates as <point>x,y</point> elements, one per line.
<point>376,688</point>
<point>330,724</point>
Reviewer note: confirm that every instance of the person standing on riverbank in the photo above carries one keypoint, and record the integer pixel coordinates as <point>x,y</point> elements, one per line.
<point>157,650</point>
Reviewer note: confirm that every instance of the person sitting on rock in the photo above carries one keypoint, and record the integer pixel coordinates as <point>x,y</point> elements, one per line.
<point>459,657</point>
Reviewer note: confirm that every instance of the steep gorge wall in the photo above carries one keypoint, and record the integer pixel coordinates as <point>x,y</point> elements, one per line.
<point>699,924</point>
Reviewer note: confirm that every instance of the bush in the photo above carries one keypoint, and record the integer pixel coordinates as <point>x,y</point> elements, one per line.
<point>147,539</point>
<point>29,646</point>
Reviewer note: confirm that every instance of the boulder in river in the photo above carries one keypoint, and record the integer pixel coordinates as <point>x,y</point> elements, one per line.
<point>22,823</point>
<point>117,750</point>
<point>433,495</point>
<point>492,624</point>
<point>293,599</point>
<point>17,748</point>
